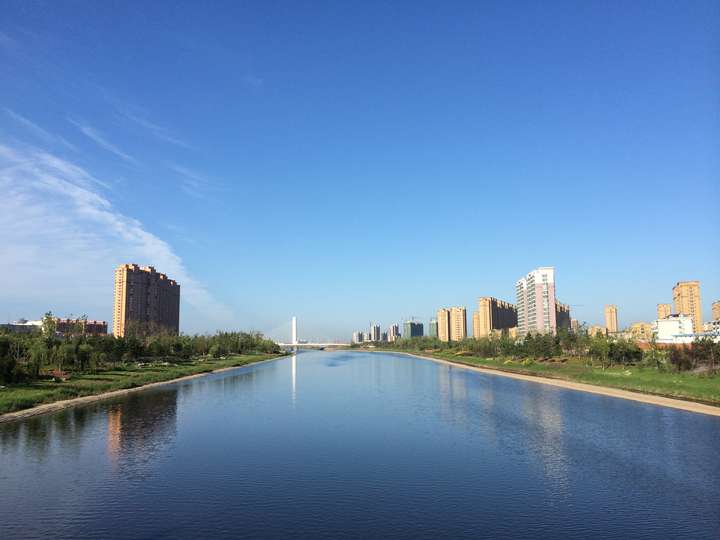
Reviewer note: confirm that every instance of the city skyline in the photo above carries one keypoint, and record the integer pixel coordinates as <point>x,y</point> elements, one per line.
<point>247,184</point>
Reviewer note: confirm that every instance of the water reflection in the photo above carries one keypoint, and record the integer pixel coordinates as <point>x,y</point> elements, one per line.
<point>141,427</point>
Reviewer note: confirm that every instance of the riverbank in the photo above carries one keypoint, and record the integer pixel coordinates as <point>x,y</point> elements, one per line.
<point>669,389</point>
<point>41,397</point>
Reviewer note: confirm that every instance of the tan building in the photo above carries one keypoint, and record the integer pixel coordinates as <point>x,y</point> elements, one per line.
<point>611,319</point>
<point>443,324</point>
<point>493,314</point>
<point>664,311</point>
<point>574,325</point>
<point>686,300</point>
<point>641,331</point>
<point>596,330</point>
<point>716,310</point>
<point>458,323</point>
<point>145,297</point>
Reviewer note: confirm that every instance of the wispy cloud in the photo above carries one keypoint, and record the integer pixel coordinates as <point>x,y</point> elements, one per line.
<point>37,131</point>
<point>62,238</point>
<point>191,182</point>
<point>99,139</point>
<point>156,130</point>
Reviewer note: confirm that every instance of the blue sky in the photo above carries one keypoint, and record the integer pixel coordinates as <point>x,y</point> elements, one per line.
<point>355,162</point>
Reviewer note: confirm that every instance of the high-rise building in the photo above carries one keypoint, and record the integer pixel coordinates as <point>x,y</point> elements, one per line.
<point>393,333</point>
<point>611,319</point>
<point>433,328</point>
<point>562,315</point>
<point>493,314</point>
<point>686,300</point>
<point>374,332</point>
<point>664,311</point>
<point>716,310</point>
<point>574,325</point>
<point>412,329</point>
<point>458,323</point>
<point>536,310</point>
<point>146,298</point>
<point>443,324</point>
<point>358,337</point>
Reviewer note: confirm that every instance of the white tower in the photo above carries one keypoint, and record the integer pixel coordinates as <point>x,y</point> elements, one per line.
<point>294,331</point>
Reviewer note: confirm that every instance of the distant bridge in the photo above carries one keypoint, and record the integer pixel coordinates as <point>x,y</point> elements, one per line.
<point>299,344</point>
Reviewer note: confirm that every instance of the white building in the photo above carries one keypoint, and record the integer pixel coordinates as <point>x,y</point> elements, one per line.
<point>674,329</point>
<point>358,337</point>
<point>374,332</point>
<point>536,310</point>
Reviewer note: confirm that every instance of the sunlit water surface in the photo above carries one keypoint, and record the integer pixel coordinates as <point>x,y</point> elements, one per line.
<point>361,445</point>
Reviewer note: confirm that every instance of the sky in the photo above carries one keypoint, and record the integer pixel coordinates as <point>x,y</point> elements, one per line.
<point>349,162</point>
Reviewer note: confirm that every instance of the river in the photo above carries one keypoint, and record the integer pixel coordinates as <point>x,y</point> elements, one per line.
<point>361,445</point>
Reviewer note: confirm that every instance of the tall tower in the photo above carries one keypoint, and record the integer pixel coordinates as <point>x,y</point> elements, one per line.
<point>686,297</point>
<point>536,310</point>
<point>663,311</point>
<point>294,330</point>
<point>611,319</point>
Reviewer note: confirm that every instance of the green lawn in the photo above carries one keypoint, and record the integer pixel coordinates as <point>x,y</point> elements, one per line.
<point>647,380</point>
<point>22,396</point>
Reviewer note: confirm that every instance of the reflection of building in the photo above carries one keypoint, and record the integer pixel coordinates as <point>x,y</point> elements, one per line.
<point>686,299</point>
<point>493,314</point>
<point>641,331</point>
<point>141,425</point>
<point>536,310</point>
<point>412,329</point>
<point>145,297</point>
<point>663,311</point>
<point>674,329</point>
<point>611,319</point>
<point>83,327</point>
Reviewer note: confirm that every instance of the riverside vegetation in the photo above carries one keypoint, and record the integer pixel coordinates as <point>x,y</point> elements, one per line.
<point>686,372</point>
<point>42,367</point>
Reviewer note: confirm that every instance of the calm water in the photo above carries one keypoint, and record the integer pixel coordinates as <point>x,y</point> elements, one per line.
<point>361,445</point>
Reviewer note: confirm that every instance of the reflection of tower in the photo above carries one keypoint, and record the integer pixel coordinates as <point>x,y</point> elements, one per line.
<point>294,331</point>
<point>113,434</point>
<point>294,376</point>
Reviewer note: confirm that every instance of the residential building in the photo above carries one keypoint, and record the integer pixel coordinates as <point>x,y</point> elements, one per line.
<point>147,298</point>
<point>686,300</point>
<point>458,323</point>
<point>412,329</point>
<point>536,310</point>
<point>493,314</point>
<point>83,327</point>
<point>664,311</point>
<point>641,331</point>
<point>611,319</point>
<point>574,325</point>
<point>596,330</point>
<point>374,332</point>
<point>562,315</point>
<point>443,324</point>
<point>393,333</point>
<point>433,328</point>
<point>674,329</point>
<point>716,310</point>
<point>358,337</point>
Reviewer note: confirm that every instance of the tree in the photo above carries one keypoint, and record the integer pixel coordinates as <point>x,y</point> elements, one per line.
<point>49,325</point>
<point>38,356</point>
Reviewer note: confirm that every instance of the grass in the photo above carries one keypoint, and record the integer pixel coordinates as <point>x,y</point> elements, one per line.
<point>23,396</point>
<point>647,380</point>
